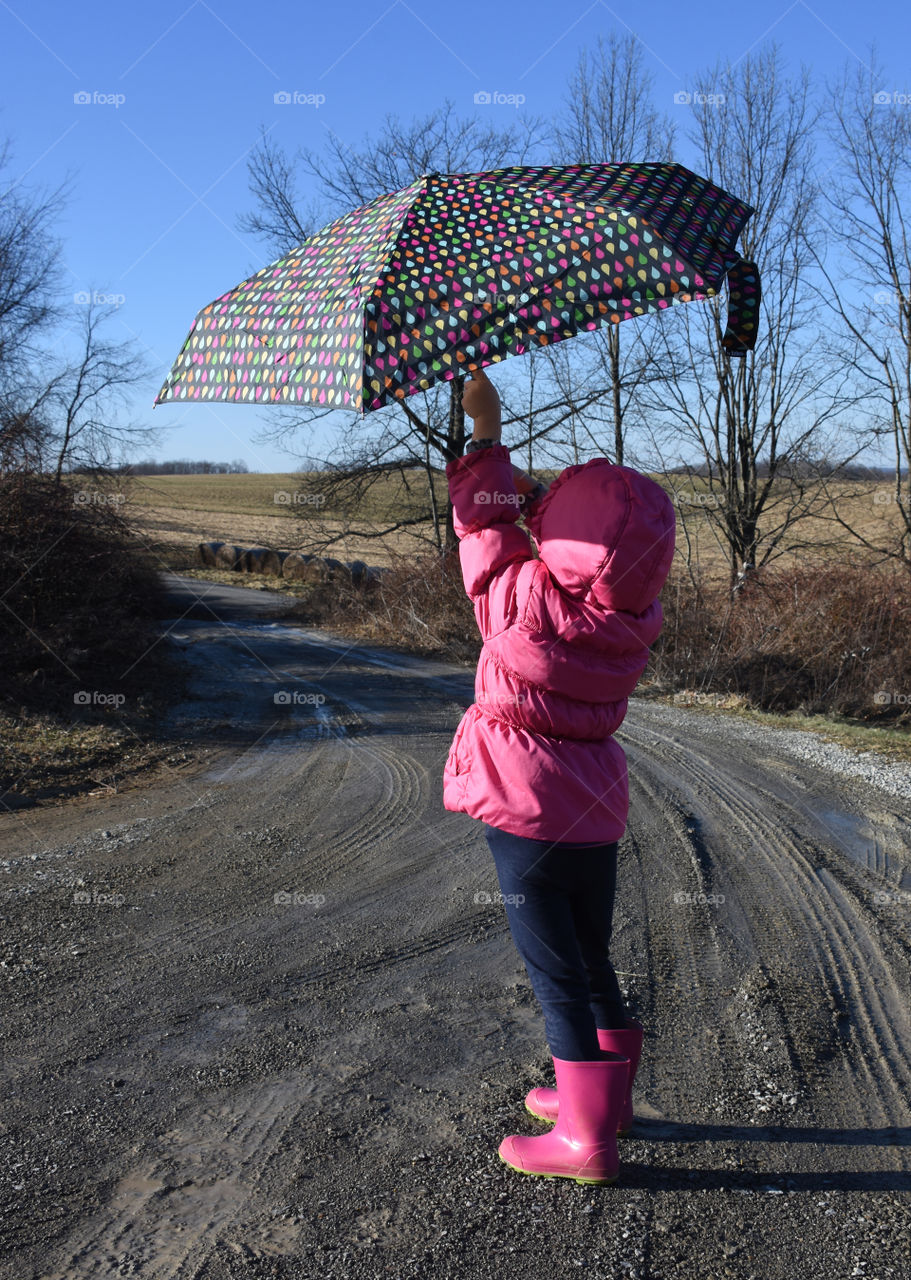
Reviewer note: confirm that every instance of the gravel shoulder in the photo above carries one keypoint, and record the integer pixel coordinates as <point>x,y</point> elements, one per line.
<point>265,1019</point>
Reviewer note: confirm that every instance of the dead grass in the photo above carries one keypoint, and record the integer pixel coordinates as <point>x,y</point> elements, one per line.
<point>45,758</point>
<point>419,607</point>
<point>833,640</point>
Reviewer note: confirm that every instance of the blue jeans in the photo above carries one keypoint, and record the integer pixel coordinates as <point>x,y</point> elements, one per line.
<point>559,901</point>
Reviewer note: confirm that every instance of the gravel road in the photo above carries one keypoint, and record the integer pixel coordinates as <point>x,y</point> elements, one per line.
<point>267,1020</point>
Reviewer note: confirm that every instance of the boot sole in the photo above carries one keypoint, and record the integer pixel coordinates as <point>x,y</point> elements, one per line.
<point>534,1173</point>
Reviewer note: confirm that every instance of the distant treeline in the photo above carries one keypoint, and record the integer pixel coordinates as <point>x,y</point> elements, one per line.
<point>803,469</point>
<point>179,467</point>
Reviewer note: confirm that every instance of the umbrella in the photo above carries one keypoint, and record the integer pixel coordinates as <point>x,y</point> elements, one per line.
<point>467,269</point>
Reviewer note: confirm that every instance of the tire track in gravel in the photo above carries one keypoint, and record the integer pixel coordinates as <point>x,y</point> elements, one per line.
<point>369,790</point>
<point>836,941</point>
<point>680,949</point>
<point>383,815</point>
<point>162,1214</point>
<point>430,940</point>
<point>338,761</point>
<point>831,938</point>
<point>751,959</point>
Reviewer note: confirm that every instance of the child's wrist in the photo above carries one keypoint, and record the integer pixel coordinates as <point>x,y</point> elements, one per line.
<point>524,482</point>
<point>528,501</point>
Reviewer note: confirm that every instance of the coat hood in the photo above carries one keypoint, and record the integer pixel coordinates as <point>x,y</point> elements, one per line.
<point>606,533</point>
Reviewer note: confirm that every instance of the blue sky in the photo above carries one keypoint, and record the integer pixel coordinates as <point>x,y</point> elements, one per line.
<point>179,92</point>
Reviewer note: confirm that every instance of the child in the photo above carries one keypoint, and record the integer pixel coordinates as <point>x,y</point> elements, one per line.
<point>566,638</point>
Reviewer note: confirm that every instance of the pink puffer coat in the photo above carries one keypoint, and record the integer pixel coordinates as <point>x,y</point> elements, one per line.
<point>566,638</point>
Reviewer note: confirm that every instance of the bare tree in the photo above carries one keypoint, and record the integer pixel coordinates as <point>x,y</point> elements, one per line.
<point>418,432</point>
<point>54,412</point>
<point>438,143</point>
<point>30,274</point>
<point>82,397</point>
<point>375,485</point>
<point>869,218</point>
<point>610,118</point>
<point>276,216</point>
<point>23,433</point>
<point>749,419</point>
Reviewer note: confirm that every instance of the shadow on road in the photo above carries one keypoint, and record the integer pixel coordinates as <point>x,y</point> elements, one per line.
<point>650,1178</point>
<point>668,1131</point>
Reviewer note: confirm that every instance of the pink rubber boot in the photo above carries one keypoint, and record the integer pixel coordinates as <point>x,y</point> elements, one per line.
<point>583,1142</point>
<point>543,1103</point>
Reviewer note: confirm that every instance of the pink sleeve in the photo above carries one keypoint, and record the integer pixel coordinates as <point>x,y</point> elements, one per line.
<point>492,548</point>
<point>482,489</point>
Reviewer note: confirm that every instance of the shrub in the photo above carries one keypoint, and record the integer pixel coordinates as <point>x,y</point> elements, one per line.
<point>830,639</point>
<point>77,592</point>
<point>418,604</point>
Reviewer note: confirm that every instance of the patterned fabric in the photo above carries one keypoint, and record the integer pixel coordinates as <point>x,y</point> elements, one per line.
<point>473,445</point>
<point>744,293</point>
<point>455,270</point>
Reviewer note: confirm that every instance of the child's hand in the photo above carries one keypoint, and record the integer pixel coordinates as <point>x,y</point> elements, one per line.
<point>481,401</point>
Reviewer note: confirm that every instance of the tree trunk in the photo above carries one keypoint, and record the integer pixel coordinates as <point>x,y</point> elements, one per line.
<point>455,447</point>
<point>431,486</point>
<point>613,347</point>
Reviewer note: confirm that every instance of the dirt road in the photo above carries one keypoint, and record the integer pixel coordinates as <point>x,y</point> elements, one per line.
<point>267,1020</point>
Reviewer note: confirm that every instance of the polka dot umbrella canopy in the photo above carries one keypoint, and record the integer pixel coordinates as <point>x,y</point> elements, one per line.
<point>467,269</point>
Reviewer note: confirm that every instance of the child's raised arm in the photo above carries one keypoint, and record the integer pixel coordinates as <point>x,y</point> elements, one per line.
<point>481,401</point>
